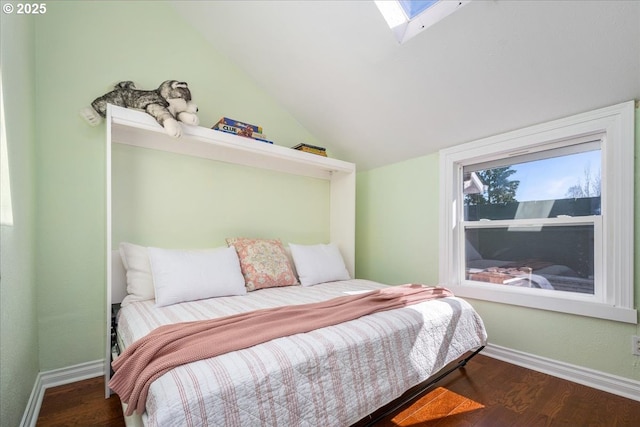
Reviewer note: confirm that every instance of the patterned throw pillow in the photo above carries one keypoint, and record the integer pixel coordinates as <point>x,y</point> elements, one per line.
<point>264,263</point>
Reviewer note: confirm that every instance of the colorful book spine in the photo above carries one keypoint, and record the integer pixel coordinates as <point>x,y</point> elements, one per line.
<point>240,131</point>
<point>233,131</point>
<point>236,123</point>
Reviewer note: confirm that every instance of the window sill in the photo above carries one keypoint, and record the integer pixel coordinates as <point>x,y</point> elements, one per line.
<point>563,302</point>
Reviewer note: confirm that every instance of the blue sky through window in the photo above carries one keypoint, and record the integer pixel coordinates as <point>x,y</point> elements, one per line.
<point>550,179</point>
<point>415,7</point>
<point>407,18</point>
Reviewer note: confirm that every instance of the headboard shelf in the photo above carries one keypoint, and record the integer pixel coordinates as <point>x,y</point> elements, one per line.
<point>140,129</point>
<point>136,128</point>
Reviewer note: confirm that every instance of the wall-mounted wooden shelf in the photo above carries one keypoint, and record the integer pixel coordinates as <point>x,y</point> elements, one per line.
<point>140,129</point>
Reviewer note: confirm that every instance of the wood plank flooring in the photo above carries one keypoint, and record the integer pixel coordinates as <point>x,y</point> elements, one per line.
<point>80,404</point>
<point>492,393</point>
<point>487,392</point>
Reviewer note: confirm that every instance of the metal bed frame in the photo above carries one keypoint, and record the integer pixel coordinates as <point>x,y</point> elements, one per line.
<point>371,421</point>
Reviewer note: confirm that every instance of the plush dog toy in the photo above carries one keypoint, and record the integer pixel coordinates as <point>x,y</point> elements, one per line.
<point>168,104</point>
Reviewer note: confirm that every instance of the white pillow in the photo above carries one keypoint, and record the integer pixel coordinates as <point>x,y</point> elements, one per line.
<point>139,280</point>
<point>180,276</point>
<point>318,263</point>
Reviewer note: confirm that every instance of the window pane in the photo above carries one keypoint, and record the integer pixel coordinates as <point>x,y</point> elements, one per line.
<point>415,7</point>
<point>565,185</point>
<point>551,257</point>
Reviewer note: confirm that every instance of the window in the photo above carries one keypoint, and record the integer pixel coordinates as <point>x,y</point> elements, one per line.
<point>543,217</point>
<point>406,18</point>
<point>413,8</point>
<point>6,206</point>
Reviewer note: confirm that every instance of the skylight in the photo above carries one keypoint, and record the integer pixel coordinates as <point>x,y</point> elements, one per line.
<point>413,8</point>
<point>406,18</point>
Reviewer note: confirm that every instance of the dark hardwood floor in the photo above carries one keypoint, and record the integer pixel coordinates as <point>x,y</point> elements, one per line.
<point>80,404</point>
<point>487,392</point>
<point>491,393</point>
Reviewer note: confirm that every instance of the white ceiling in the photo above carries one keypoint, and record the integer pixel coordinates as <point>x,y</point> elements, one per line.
<point>491,67</point>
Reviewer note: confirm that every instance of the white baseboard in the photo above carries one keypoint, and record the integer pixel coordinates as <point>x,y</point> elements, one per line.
<point>620,386</point>
<point>54,378</point>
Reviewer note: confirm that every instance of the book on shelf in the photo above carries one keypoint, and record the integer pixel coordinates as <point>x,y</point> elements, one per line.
<point>238,124</point>
<point>240,131</point>
<point>233,131</point>
<point>314,149</point>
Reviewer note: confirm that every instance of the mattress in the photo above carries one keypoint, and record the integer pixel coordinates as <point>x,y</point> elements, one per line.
<point>332,376</point>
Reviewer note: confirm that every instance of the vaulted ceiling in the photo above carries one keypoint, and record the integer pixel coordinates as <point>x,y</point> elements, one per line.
<point>491,67</point>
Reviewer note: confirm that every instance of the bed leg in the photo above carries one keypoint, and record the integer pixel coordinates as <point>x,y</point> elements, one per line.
<point>422,389</point>
<point>464,361</point>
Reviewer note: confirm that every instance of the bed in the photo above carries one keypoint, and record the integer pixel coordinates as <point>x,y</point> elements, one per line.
<point>333,376</point>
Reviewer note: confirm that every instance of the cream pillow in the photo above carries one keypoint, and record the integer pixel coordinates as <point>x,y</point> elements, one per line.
<point>183,275</point>
<point>318,263</point>
<point>138,270</point>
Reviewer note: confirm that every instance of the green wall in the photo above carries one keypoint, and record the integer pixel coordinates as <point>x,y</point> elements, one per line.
<point>18,328</point>
<point>397,222</point>
<point>397,242</point>
<point>154,194</point>
<point>82,49</point>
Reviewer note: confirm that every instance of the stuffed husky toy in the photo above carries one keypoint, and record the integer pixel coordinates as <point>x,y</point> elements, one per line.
<point>167,104</point>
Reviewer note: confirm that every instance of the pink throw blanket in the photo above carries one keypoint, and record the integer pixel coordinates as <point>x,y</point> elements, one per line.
<point>173,345</point>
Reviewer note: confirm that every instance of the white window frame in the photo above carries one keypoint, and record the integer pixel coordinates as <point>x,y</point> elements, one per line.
<point>614,251</point>
<point>6,202</point>
<point>405,28</point>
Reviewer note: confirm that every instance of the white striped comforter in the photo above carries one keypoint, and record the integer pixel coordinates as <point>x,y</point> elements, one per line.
<point>329,377</point>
